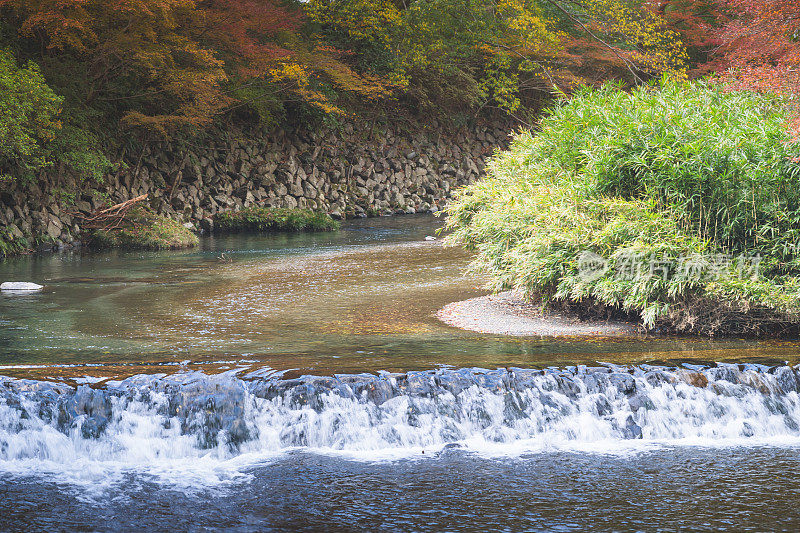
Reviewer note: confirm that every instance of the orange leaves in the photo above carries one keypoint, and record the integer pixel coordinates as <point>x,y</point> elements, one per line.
<point>247,33</point>
<point>760,47</point>
<point>163,65</point>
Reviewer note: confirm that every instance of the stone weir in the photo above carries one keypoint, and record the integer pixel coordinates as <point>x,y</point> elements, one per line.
<point>151,418</point>
<point>352,171</point>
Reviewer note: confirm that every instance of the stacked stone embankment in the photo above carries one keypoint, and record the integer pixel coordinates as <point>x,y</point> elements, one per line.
<point>347,172</point>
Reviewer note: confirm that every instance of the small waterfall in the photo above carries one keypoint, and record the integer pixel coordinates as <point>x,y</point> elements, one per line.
<point>146,419</point>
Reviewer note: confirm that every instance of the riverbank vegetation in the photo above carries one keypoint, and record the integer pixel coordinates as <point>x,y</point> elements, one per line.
<point>678,204</point>
<point>266,219</point>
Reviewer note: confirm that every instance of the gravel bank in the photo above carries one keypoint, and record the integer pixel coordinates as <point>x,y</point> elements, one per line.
<point>506,314</point>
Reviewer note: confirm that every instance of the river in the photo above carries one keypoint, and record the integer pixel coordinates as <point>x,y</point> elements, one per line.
<point>303,382</point>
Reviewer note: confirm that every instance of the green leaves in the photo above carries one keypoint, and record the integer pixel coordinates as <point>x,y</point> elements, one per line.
<point>32,135</point>
<point>29,117</point>
<point>266,219</point>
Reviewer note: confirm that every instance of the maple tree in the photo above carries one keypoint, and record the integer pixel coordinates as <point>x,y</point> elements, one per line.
<point>697,22</point>
<point>760,44</point>
<point>170,64</point>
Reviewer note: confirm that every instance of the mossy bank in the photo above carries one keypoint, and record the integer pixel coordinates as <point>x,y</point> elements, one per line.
<point>260,219</point>
<point>141,229</point>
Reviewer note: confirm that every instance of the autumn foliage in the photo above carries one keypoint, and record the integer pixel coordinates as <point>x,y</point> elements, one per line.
<point>157,69</point>
<point>760,44</point>
<point>170,64</point>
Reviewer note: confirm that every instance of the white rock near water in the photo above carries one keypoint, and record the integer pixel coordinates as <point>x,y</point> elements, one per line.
<point>20,286</point>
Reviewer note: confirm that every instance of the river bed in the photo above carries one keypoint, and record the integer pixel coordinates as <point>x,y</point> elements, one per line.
<point>164,391</point>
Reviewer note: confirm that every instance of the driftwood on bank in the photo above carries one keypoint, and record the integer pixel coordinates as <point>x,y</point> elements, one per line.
<point>111,217</point>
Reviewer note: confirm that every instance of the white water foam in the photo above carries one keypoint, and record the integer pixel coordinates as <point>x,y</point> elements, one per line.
<point>192,430</point>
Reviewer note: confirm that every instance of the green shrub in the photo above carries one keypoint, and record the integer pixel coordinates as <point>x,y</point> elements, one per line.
<point>265,219</point>
<point>674,176</point>
<point>11,245</point>
<point>29,112</point>
<point>34,132</point>
<point>142,229</point>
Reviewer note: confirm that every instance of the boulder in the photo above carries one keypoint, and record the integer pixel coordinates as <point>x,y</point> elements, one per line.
<point>20,286</point>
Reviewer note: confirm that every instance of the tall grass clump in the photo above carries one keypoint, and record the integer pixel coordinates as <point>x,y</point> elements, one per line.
<point>684,197</point>
<point>272,219</point>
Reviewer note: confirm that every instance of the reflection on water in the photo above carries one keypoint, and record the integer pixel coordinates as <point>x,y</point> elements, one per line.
<point>360,299</point>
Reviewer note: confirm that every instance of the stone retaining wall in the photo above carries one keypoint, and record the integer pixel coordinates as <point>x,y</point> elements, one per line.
<point>347,173</point>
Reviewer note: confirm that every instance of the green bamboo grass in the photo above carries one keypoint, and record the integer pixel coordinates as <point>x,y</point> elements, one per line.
<point>682,170</point>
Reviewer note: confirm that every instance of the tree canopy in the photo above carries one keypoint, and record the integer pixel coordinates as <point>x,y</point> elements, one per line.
<point>166,68</point>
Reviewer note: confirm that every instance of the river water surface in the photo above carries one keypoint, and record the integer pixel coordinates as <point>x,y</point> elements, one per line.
<point>166,391</point>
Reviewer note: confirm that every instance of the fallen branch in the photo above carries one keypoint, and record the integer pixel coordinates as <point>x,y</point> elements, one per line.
<point>111,217</point>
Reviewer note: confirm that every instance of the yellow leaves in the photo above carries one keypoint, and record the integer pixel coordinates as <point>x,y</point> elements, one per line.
<point>366,20</point>
<point>307,68</point>
<point>653,47</point>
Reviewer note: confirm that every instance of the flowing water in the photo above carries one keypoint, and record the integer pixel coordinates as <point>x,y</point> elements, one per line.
<point>303,382</point>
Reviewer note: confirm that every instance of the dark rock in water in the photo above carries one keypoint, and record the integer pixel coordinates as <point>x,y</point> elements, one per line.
<point>455,381</point>
<point>602,407</point>
<point>724,372</point>
<point>303,391</point>
<point>639,401</point>
<point>493,380</point>
<point>448,448</point>
<point>632,430</point>
<point>210,407</point>
<point>595,382</point>
<point>419,384</point>
<point>658,377</point>
<point>363,386</point>
<point>89,408</point>
<point>624,382</point>
<point>566,385</point>
<point>522,378</point>
<point>786,379</point>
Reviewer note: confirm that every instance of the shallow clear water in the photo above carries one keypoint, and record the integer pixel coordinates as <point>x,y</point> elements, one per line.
<point>628,447</point>
<point>362,299</point>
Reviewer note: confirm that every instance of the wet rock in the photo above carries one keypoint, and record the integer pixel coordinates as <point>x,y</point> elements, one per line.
<point>725,372</point>
<point>624,382</point>
<point>87,408</point>
<point>695,379</point>
<point>419,384</point>
<point>632,430</point>
<point>786,379</point>
<point>20,286</point>
<point>523,378</point>
<point>212,409</point>
<point>492,380</point>
<point>639,401</point>
<point>455,381</point>
<point>657,378</point>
